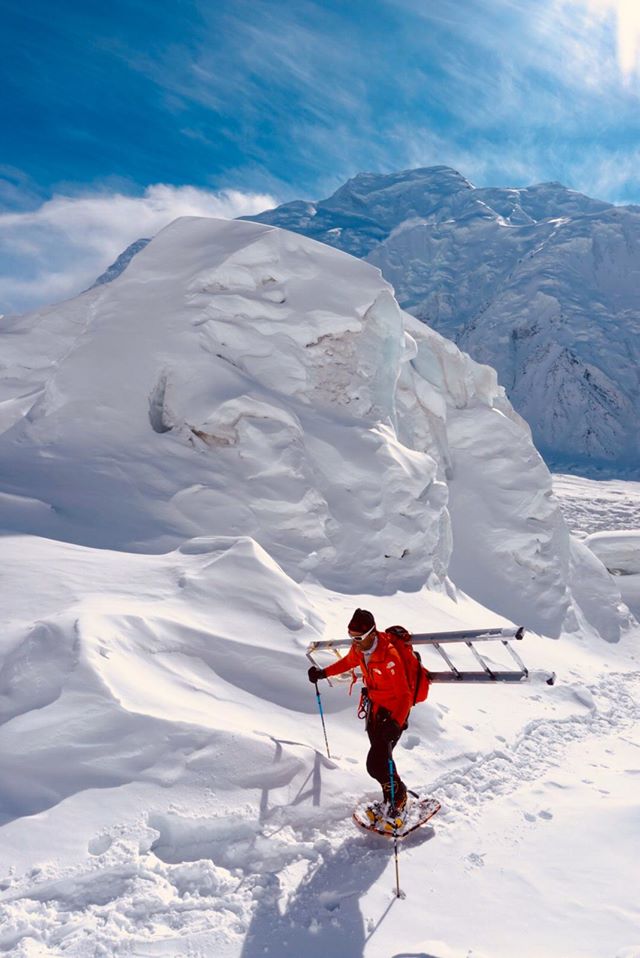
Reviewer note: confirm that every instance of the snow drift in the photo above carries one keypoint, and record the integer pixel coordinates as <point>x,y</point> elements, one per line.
<point>113,659</point>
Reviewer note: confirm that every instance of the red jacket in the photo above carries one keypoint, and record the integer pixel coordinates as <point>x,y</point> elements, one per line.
<point>384,677</point>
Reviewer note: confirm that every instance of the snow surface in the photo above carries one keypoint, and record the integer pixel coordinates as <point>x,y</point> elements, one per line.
<point>165,791</point>
<point>606,516</point>
<point>205,465</point>
<point>618,551</point>
<point>590,506</point>
<point>539,282</point>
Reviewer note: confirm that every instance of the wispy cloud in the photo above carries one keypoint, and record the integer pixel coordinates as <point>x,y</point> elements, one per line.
<point>625,16</point>
<point>59,248</point>
<point>293,98</point>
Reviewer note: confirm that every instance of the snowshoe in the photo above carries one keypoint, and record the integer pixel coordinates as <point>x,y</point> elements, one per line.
<point>416,813</point>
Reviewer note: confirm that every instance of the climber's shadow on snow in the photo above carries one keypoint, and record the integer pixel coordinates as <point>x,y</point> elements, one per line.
<point>323,917</point>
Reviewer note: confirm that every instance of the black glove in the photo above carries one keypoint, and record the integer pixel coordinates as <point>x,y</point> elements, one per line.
<point>388,724</point>
<point>315,674</point>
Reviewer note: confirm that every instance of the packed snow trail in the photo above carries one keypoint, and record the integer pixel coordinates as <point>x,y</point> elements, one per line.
<point>540,747</point>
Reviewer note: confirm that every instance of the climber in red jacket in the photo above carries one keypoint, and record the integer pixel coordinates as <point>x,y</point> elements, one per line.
<point>389,702</point>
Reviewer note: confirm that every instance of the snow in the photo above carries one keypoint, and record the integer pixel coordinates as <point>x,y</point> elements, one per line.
<point>120,264</point>
<point>618,551</point>
<point>594,506</point>
<point>225,340</point>
<point>221,385</point>
<point>168,794</point>
<point>165,790</point>
<point>206,465</point>
<point>606,516</point>
<point>538,282</point>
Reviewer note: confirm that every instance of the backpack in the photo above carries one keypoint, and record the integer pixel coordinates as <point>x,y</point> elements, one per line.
<point>417,675</point>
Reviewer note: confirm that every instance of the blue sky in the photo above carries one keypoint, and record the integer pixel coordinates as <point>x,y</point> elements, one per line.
<point>274,100</point>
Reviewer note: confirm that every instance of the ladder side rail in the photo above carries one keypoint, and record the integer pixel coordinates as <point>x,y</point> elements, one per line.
<point>431,638</point>
<point>473,635</point>
<point>328,644</point>
<point>476,678</point>
<point>455,675</point>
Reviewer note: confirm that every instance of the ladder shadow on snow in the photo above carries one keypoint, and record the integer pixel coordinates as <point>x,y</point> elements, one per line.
<point>413,954</point>
<point>323,917</point>
<point>311,787</point>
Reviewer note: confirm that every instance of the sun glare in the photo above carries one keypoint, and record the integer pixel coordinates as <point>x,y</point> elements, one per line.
<point>627,14</point>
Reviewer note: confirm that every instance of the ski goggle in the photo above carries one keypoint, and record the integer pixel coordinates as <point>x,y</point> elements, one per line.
<point>359,638</point>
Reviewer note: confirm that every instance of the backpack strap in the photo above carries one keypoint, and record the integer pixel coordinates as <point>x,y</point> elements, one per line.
<point>403,635</point>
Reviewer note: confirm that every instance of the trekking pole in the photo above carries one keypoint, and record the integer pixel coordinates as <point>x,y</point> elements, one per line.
<point>324,728</point>
<point>395,827</point>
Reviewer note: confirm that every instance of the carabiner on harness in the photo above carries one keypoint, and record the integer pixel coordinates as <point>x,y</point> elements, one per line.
<point>364,704</point>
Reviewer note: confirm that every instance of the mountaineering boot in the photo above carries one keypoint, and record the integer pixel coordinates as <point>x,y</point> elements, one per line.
<point>377,811</point>
<point>394,815</point>
<point>394,818</point>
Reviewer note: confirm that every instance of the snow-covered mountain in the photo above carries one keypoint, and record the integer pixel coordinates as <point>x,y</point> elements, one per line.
<point>540,282</point>
<point>205,465</point>
<point>240,380</point>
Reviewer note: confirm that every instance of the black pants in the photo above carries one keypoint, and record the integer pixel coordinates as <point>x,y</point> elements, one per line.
<point>383,740</point>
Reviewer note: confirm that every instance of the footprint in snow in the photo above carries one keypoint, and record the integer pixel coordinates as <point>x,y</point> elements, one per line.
<point>99,845</point>
<point>476,859</point>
